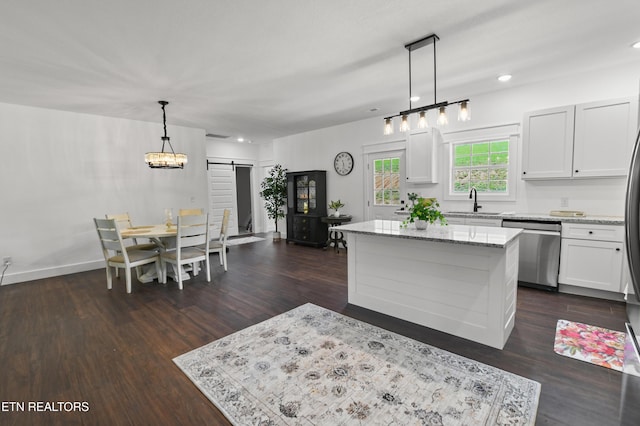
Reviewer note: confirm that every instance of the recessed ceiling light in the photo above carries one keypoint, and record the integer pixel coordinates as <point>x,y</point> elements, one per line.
<point>504,77</point>
<point>240,139</point>
<point>636,45</point>
<point>414,98</point>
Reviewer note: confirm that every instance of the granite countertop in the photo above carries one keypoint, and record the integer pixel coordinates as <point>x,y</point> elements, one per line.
<point>588,219</point>
<point>455,234</point>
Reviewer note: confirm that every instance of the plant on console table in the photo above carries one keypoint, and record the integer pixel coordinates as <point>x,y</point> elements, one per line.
<point>336,206</point>
<point>423,212</point>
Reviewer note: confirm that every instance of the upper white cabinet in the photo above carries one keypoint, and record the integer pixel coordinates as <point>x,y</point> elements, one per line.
<point>548,143</point>
<point>422,156</point>
<point>604,138</point>
<point>585,140</point>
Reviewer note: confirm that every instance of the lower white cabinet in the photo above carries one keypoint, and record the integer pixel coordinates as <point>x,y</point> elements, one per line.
<point>593,258</point>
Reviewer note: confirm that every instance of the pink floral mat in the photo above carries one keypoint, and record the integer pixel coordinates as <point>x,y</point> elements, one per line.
<point>588,343</point>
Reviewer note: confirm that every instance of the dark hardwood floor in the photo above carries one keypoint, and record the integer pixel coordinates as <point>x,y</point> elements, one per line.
<point>70,339</point>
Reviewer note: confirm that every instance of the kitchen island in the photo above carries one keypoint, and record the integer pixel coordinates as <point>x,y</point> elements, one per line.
<point>458,279</point>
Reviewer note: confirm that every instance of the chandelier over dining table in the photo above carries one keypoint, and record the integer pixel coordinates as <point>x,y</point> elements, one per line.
<point>165,159</point>
<point>463,105</point>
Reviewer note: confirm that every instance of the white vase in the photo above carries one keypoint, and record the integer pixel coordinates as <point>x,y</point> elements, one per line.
<point>421,224</point>
<point>336,214</point>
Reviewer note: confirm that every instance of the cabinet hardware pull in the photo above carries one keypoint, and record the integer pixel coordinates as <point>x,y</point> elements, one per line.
<point>590,232</point>
<point>577,171</point>
<point>618,249</point>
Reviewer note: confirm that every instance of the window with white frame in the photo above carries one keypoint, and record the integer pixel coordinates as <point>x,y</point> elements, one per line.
<point>386,181</point>
<point>484,159</point>
<point>480,165</point>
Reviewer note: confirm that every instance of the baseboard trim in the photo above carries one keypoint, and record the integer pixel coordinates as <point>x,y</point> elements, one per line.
<point>38,274</point>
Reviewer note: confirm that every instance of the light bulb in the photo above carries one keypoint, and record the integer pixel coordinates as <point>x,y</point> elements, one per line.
<point>442,117</point>
<point>388,126</point>
<point>422,120</point>
<point>404,124</point>
<point>463,112</point>
<point>414,98</point>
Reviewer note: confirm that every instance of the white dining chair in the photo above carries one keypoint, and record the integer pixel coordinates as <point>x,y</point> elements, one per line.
<point>116,255</point>
<point>123,221</point>
<point>220,246</point>
<point>192,245</point>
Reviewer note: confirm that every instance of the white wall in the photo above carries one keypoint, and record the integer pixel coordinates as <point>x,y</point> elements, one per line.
<point>61,169</point>
<point>316,149</point>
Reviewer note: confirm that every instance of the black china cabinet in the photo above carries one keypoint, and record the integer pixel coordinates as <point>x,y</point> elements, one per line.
<point>306,205</point>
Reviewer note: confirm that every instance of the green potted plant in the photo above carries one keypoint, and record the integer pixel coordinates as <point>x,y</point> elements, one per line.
<point>336,206</point>
<point>425,211</point>
<point>274,192</point>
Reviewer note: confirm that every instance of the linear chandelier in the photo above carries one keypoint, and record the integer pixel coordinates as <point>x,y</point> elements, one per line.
<point>165,160</point>
<point>463,111</point>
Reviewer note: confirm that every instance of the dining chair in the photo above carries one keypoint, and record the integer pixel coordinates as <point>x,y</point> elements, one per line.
<point>192,245</point>
<point>116,255</point>
<point>123,221</point>
<point>220,246</point>
<point>190,212</point>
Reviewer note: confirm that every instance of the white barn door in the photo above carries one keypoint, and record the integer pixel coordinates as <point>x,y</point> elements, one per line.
<point>222,195</point>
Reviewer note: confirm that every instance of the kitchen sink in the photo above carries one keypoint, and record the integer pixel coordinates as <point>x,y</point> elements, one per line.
<point>476,213</point>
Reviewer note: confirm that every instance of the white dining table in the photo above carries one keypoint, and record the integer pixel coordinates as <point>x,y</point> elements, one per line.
<point>164,236</point>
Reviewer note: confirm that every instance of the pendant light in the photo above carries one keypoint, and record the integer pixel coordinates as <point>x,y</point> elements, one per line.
<point>165,160</point>
<point>463,112</point>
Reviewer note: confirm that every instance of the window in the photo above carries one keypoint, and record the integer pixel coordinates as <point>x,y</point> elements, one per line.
<point>481,165</point>
<point>484,158</point>
<point>386,181</point>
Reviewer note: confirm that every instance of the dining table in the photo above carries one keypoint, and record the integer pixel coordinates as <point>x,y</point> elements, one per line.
<point>163,236</point>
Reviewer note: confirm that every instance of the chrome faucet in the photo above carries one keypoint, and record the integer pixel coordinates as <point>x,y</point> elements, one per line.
<point>474,194</point>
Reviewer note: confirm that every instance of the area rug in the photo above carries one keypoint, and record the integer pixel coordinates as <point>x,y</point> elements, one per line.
<point>314,366</point>
<point>243,240</point>
<point>588,343</point>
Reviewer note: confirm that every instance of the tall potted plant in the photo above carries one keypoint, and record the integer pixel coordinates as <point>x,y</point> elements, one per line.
<point>274,192</point>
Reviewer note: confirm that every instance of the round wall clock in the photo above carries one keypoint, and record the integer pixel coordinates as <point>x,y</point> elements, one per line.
<point>343,163</point>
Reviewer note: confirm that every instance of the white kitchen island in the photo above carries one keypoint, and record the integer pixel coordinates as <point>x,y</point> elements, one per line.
<point>458,279</point>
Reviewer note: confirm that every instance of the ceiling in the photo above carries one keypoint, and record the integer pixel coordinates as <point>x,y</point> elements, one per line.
<point>266,69</point>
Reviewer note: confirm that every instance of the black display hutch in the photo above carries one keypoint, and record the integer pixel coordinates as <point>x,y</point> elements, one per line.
<point>306,205</point>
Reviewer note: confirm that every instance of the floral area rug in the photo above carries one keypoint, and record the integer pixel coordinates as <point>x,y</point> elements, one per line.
<point>313,366</point>
<point>588,343</point>
<point>243,240</point>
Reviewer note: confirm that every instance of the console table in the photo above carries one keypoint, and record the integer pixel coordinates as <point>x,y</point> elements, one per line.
<point>335,237</point>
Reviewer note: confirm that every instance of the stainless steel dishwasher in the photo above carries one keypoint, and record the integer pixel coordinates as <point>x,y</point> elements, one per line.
<point>539,252</point>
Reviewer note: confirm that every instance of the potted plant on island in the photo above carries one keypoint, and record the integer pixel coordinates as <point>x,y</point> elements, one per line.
<point>274,192</point>
<point>423,212</point>
<point>336,206</point>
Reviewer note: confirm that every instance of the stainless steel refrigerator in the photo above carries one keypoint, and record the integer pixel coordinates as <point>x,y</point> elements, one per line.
<point>630,397</point>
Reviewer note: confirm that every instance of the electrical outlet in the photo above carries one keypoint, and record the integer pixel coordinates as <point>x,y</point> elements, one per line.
<point>6,261</point>
<point>564,201</point>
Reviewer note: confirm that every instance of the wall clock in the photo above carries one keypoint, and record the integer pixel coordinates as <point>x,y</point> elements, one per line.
<point>343,163</point>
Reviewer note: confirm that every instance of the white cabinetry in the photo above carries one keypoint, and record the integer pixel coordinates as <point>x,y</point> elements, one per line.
<point>586,140</point>
<point>604,136</point>
<point>548,143</point>
<point>592,256</point>
<point>422,156</point>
